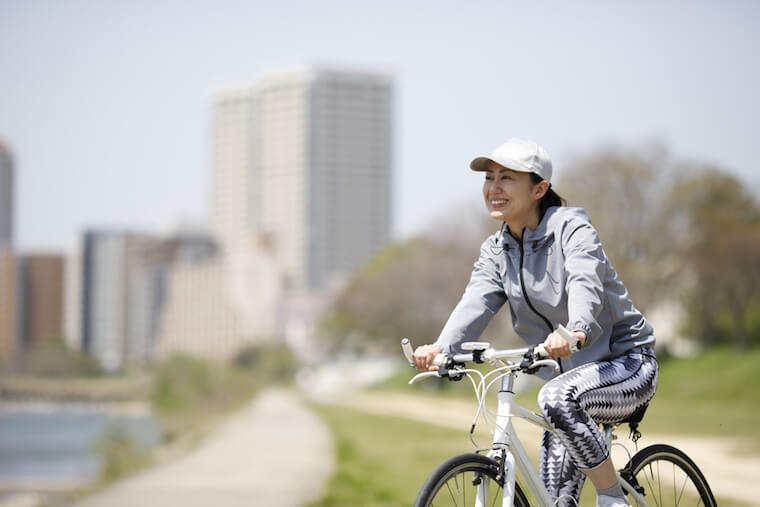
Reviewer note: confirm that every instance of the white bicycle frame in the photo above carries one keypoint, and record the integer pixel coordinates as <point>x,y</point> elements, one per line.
<point>505,438</point>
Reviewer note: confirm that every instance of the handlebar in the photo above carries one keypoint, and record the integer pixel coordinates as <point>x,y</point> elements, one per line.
<point>531,357</point>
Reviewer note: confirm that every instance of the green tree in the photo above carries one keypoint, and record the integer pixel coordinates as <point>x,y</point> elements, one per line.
<point>718,219</point>
<point>408,290</point>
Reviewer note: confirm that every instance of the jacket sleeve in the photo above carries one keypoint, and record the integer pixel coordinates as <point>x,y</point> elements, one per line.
<point>585,266</point>
<point>482,298</point>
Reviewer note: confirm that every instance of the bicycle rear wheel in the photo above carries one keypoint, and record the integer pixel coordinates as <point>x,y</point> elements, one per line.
<point>667,476</point>
<point>455,483</point>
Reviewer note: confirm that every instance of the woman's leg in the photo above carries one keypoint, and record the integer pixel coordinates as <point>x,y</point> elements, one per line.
<point>600,392</point>
<point>558,472</point>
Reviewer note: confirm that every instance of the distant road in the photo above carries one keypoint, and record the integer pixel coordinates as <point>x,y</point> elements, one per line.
<point>275,452</point>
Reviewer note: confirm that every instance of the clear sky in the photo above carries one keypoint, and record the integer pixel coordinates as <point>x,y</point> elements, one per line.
<point>106,104</point>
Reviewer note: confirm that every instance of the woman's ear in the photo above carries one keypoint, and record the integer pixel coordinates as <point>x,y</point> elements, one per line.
<point>540,189</point>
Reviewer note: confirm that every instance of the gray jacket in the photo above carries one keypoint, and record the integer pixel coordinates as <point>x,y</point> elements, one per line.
<point>557,274</point>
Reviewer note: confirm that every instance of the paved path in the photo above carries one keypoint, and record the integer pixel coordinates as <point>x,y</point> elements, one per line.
<point>728,471</point>
<point>273,453</point>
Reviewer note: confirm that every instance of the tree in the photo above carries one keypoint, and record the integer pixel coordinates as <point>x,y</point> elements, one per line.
<point>622,190</point>
<point>718,221</point>
<point>409,289</point>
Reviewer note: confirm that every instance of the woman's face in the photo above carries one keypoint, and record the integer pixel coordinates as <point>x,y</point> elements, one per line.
<point>511,196</point>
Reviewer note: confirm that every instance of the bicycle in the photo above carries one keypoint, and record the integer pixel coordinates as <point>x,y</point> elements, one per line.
<point>657,475</point>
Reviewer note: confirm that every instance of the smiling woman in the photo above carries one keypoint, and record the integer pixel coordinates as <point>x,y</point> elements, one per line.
<point>548,263</point>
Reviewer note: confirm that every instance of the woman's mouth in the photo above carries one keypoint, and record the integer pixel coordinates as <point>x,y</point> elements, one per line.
<point>498,203</point>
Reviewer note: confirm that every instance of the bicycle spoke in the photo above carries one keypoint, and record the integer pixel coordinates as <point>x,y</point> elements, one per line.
<point>683,486</point>
<point>651,488</point>
<point>495,496</point>
<point>450,492</point>
<point>464,488</point>
<point>659,481</point>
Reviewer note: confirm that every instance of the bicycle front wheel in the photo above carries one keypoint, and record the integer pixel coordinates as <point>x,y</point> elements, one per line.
<point>456,481</point>
<point>667,476</point>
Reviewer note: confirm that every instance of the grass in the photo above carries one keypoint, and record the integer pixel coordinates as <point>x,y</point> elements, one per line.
<point>189,393</point>
<point>382,461</point>
<point>713,394</point>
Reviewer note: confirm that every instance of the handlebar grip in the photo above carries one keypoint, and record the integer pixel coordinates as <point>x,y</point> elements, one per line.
<point>540,351</point>
<point>569,337</point>
<point>406,346</point>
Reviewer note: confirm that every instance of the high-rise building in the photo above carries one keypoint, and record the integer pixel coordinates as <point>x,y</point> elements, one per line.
<point>117,298</point>
<point>6,196</point>
<point>304,157</point>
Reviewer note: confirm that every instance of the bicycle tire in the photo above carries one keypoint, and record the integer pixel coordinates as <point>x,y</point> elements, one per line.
<point>665,473</point>
<point>437,488</point>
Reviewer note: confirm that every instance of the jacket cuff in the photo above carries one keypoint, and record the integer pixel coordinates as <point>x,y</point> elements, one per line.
<point>581,326</point>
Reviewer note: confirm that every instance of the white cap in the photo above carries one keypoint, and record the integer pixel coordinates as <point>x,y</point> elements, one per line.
<point>518,155</point>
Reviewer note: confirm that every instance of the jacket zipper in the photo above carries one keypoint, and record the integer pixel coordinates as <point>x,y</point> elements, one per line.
<point>527,299</point>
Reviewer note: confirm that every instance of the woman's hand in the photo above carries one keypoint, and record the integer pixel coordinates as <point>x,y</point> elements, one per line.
<point>423,357</point>
<point>556,346</point>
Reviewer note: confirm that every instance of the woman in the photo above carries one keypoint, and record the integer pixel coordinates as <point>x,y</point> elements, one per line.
<point>547,262</point>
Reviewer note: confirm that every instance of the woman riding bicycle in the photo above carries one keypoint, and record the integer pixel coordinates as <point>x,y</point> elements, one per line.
<point>547,262</point>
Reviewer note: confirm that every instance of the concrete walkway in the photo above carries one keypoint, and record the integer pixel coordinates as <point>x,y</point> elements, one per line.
<point>275,452</point>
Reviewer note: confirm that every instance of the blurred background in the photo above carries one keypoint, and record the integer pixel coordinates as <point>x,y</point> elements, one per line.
<point>202,200</point>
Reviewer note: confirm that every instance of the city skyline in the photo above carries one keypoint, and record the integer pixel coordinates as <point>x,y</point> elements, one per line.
<point>110,129</point>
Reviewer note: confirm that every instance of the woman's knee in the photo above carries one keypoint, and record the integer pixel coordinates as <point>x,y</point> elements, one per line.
<point>551,396</point>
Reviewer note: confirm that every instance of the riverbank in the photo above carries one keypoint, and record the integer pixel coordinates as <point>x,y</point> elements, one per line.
<point>75,389</point>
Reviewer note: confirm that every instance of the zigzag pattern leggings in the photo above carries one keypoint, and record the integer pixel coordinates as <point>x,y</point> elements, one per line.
<point>575,402</point>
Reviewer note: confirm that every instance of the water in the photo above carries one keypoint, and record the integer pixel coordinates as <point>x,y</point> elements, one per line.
<point>54,443</point>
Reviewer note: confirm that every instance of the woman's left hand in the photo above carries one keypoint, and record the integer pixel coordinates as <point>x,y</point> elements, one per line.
<point>556,346</point>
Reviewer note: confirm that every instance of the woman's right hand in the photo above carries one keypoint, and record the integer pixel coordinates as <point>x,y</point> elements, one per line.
<point>423,357</point>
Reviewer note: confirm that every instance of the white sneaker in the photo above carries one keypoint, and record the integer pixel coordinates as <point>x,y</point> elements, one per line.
<point>611,501</point>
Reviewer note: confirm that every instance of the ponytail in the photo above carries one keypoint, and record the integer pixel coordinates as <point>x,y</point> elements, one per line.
<point>550,198</point>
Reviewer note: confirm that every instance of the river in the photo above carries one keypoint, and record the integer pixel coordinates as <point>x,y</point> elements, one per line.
<point>48,446</point>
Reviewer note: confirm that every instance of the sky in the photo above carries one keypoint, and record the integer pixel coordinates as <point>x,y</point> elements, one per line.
<point>106,104</point>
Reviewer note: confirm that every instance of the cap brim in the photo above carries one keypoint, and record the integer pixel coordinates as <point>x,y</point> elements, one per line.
<point>480,163</point>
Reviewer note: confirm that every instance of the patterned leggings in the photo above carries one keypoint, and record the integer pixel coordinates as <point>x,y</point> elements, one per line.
<point>576,402</point>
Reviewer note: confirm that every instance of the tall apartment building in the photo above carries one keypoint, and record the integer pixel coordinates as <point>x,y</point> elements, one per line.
<point>111,306</point>
<point>6,196</point>
<point>304,157</point>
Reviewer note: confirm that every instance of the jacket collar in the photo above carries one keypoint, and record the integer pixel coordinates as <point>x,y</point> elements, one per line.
<point>543,230</point>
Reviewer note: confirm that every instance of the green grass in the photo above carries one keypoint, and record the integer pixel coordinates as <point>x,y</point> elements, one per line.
<point>713,394</point>
<point>189,393</point>
<point>383,461</point>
